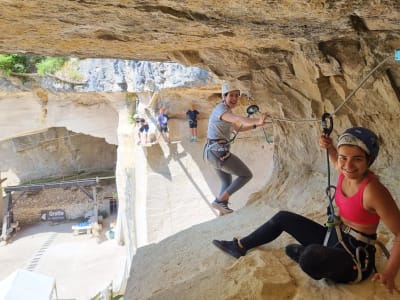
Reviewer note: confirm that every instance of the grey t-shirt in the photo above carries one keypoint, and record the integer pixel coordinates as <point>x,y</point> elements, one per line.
<point>217,128</point>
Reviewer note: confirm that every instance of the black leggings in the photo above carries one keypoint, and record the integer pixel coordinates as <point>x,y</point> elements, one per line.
<point>330,262</point>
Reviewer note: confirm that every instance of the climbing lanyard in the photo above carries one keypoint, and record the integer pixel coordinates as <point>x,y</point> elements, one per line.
<point>327,127</point>
<point>235,133</point>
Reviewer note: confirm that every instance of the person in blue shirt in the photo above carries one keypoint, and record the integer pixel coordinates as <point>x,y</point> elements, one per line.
<point>143,130</point>
<point>162,120</point>
<point>192,114</point>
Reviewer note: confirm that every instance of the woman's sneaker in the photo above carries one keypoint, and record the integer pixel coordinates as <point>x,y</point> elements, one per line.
<point>230,247</point>
<point>222,207</point>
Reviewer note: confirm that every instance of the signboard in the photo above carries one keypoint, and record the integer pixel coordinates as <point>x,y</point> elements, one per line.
<point>52,215</point>
<point>397,55</point>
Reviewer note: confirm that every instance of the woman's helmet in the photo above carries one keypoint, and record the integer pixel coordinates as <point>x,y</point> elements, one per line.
<point>229,87</point>
<point>363,138</point>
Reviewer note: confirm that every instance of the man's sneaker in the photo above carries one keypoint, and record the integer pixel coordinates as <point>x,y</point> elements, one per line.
<point>230,247</point>
<point>222,207</point>
<point>294,251</point>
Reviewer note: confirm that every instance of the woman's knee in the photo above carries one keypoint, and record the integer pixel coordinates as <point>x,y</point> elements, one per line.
<point>282,215</point>
<point>312,261</point>
<point>248,176</point>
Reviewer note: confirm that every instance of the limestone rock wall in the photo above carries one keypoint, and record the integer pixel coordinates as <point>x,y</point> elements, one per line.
<point>295,59</point>
<point>55,153</point>
<point>34,111</point>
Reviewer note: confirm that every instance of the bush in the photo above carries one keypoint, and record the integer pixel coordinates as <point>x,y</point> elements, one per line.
<point>13,63</point>
<point>50,65</point>
<point>18,63</point>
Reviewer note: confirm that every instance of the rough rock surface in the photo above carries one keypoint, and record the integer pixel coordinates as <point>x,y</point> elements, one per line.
<point>296,59</point>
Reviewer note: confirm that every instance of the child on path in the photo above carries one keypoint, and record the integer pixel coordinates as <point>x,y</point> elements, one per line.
<point>162,120</point>
<point>192,114</point>
<point>143,130</point>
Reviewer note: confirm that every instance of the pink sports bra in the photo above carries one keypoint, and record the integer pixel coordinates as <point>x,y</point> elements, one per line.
<point>352,208</point>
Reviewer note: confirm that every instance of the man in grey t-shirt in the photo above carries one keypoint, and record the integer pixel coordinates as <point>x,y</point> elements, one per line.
<point>221,124</point>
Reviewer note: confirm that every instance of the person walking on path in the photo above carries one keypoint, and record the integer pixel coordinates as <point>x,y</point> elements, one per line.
<point>222,123</point>
<point>162,120</point>
<point>347,252</point>
<point>143,130</point>
<point>192,114</point>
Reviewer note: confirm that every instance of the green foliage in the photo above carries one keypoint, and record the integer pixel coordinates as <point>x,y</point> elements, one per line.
<point>70,70</point>
<point>19,63</point>
<point>13,63</point>
<point>50,65</point>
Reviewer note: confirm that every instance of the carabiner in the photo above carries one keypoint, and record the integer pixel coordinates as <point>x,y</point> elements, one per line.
<point>327,130</point>
<point>252,109</point>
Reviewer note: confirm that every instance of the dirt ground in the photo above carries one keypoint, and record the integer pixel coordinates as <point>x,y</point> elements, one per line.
<point>82,265</point>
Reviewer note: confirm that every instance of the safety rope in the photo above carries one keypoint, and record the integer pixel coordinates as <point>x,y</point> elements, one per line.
<point>360,85</point>
<point>342,104</point>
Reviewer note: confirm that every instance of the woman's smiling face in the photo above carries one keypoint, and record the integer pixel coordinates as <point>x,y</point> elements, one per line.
<point>232,98</point>
<point>353,161</point>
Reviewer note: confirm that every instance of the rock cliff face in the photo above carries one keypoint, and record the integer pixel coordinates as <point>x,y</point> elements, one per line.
<point>295,59</point>
<point>298,59</point>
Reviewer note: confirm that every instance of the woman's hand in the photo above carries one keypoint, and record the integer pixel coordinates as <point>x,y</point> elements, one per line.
<point>325,142</point>
<point>262,119</point>
<point>387,280</point>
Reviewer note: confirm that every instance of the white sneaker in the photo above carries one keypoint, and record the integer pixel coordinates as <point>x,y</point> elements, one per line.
<point>222,207</point>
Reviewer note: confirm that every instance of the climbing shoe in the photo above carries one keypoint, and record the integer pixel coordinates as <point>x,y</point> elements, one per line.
<point>222,207</point>
<point>294,251</point>
<point>230,247</point>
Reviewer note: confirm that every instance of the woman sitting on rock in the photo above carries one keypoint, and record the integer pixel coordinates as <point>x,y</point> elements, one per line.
<point>348,254</point>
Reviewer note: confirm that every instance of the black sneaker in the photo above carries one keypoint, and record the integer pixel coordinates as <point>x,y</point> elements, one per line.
<point>294,251</point>
<point>222,207</point>
<point>230,247</point>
